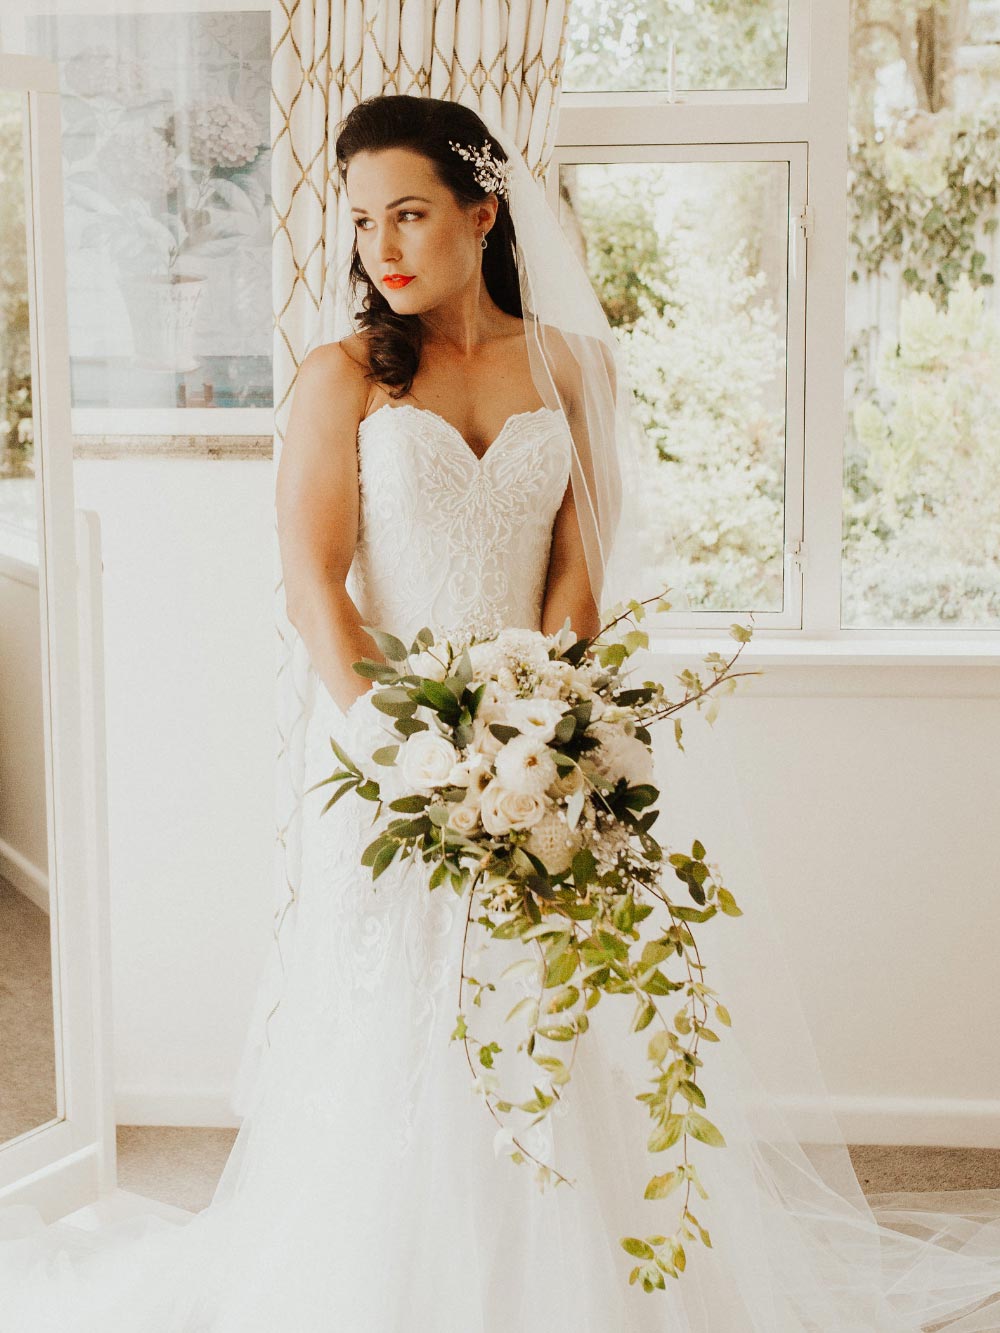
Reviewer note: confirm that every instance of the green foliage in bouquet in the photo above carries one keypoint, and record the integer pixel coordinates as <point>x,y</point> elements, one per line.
<point>564,868</point>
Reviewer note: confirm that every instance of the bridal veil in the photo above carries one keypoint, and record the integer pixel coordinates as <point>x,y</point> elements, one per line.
<point>792,1230</point>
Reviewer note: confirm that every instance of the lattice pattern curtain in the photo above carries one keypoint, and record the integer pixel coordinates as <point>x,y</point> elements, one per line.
<point>501,57</point>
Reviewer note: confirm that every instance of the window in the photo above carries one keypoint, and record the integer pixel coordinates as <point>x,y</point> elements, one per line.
<point>922,478</point>
<point>166,181</point>
<point>758,188</point>
<point>18,521</point>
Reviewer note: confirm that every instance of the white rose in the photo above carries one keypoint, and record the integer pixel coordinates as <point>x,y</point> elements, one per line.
<point>553,842</point>
<point>425,663</point>
<point>536,717</point>
<point>502,810</point>
<point>525,765</point>
<point>463,817</point>
<point>427,759</point>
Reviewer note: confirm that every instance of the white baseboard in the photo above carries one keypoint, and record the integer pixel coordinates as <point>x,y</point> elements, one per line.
<point>946,1122</point>
<point>25,876</point>
<point>207,1109</point>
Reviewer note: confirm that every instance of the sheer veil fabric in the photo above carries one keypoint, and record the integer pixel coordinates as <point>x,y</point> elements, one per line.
<point>796,1244</point>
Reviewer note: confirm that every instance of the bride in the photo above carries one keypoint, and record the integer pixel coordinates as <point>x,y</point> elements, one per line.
<point>462,461</point>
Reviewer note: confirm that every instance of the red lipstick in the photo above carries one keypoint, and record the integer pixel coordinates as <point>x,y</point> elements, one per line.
<point>396,280</point>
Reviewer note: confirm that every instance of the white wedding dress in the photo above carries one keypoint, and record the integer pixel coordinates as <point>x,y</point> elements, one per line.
<point>364,1193</point>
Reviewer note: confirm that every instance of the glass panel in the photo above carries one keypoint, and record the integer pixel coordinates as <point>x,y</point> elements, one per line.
<point>689,260</point>
<point>921,535</point>
<point>28,1096</point>
<point>728,45</point>
<point>166,164</point>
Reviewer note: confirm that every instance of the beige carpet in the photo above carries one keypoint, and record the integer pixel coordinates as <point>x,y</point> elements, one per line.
<point>27,1052</point>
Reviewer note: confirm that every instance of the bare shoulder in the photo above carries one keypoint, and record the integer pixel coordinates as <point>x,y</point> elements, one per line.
<point>338,369</point>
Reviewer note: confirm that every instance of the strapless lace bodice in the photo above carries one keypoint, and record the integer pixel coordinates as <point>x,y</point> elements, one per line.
<point>450,540</point>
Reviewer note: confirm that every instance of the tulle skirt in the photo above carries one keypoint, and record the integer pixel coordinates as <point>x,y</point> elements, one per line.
<point>367,1191</point>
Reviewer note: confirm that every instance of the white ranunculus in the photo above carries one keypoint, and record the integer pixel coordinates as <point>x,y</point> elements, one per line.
<point>503,811</point>
<point>536,717</point>
<point>526,765</point>
<point>425,663</point>
<point>426,760</point>
<point>463,817</point>
<point>553,842</point>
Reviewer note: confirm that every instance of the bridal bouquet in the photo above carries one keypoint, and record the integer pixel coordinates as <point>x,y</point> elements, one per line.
<point>522,775</point>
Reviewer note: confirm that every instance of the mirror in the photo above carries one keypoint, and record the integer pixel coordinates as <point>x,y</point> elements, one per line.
<point>28,1068</point>
<point>56,1112</point>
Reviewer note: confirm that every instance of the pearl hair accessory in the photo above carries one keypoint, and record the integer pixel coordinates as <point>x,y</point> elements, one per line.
<point>491,174</point>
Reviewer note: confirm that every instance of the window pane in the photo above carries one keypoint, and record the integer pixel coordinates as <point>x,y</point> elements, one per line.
<point>730,44</point>
<point>689,262</point>
<point>921,538</point>
<point>18,518</point>
<point>167,185</point>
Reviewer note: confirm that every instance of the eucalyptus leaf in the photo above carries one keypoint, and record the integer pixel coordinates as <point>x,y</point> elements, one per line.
<point>389,646</point>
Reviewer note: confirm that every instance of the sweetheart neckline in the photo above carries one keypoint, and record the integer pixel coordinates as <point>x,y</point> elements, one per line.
<point>454,431</point>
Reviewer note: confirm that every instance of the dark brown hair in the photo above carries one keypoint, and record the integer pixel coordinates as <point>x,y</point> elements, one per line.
<point>424,125</point>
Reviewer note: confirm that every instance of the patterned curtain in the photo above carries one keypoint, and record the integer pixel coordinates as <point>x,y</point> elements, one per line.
<point>504,59</point>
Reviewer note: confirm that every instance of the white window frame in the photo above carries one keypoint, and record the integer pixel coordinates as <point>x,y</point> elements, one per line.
<point>125,422</point>
<point>809,116</point>
<point>793,155</point>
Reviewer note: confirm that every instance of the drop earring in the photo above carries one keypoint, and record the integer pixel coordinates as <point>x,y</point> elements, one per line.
<point>483,242</point>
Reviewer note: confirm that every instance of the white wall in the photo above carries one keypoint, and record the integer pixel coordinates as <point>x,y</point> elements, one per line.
<point>876,823</point>
<point>876,814</point>
<point>190,653</point>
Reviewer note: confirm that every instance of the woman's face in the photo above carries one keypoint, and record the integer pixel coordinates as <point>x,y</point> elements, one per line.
<point>410,226</point>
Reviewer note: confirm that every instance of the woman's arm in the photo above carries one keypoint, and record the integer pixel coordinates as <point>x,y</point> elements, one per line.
<point>317,502</point>
<point>567,583</point>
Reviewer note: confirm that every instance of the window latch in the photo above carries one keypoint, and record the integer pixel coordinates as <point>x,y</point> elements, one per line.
<point>796,552</point>
<point>803,223</point>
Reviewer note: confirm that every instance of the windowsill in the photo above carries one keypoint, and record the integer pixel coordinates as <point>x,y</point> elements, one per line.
<point>856,652</point>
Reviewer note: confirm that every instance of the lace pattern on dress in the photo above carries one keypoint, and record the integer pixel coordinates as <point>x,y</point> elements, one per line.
<point>459,543</point>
